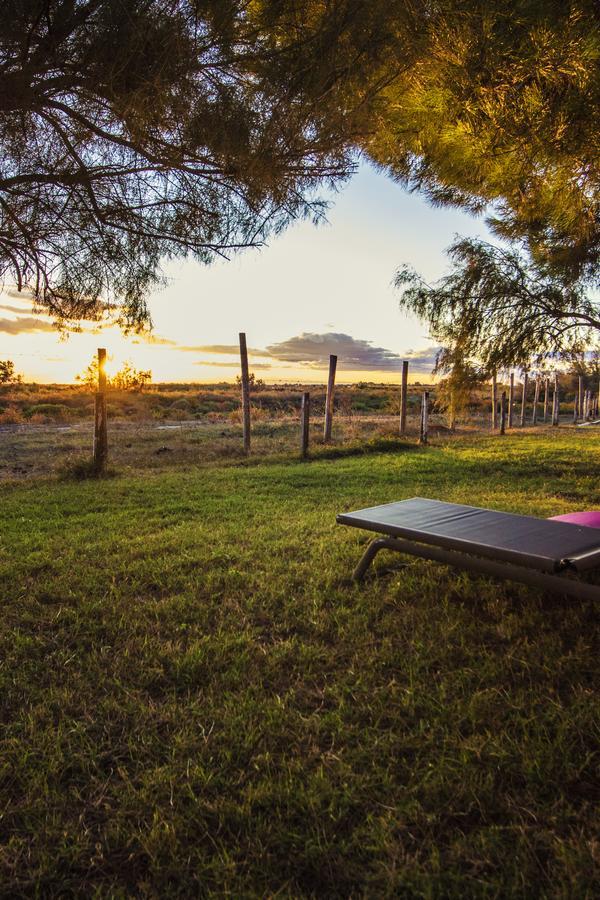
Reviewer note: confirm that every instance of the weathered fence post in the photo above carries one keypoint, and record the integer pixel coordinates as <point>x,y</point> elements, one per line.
<point>329,399</point>
<point>403,397</point>
<point>511,399</point>
<point>503,413</point>
<point>494,402</point>
<point>524,400</point>
<point>555,401</point>
<point>245,391</point>
<point>580,397</point>
<point>575,401</point>
<point>546,398</point>
<point>304,424</point>
<point>100,423</point>
<point>424,431</point>
<point>536,400</point>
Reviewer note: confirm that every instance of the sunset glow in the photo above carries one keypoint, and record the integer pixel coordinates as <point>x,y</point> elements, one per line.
<point>313,291</point>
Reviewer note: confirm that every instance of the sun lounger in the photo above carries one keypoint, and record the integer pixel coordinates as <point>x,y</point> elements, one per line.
<point>534,551</point>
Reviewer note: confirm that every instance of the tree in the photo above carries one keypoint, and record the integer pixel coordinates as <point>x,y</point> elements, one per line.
<point>502,110</point>
<point>256,384</point>
<point>499,308</point>
<point>148,129</point>
<point>128,378</point>
<point>7,372</point>
<point>459,388</point>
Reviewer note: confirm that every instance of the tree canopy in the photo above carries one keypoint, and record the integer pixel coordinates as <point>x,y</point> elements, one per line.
<point>501,110</point>
<point>133,130</point>
<point>498,308</point>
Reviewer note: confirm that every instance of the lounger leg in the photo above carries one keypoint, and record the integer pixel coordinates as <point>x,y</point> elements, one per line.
<point>369,555</point>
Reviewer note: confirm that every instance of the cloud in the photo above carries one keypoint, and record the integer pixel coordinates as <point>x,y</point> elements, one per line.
<point>13,309</point>
<point>25,325</point>
<point>155,339</point>
<point>25,296</point>
<point>225,350</point>
<point>422,360</point>
<point>313,351</point>
<point>230,365</point>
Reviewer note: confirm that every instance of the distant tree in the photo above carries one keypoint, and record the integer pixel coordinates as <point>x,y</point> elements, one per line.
<point>130,379</point>
<point>7,372</point>
<point>256,383</point>
<point>498,308</point>
<point>127,378</point>
<point>460,385</point>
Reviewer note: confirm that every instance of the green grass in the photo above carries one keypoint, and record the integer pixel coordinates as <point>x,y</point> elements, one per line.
<point>195,700</point>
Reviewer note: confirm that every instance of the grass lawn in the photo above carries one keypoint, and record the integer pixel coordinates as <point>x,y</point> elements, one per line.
<point>195,700</point>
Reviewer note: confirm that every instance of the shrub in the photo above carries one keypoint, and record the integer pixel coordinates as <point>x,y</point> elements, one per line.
<point>51,412</point>
<point>12,416</point>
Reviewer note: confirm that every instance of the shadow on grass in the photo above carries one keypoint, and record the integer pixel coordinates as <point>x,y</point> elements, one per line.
<point>81,468</point>
<point>375,445</point>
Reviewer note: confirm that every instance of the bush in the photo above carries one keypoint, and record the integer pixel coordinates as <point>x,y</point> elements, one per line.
<point>12,416</point>
<point>51,412</point>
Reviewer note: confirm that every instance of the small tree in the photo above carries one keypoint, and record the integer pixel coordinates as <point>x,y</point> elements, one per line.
<point>7,372</point>
<point>127,378</point>
<point>130,379</point>
<point>255,383</point>
<point>455,393</point>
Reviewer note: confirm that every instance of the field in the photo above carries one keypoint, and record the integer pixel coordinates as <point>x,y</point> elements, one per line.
<point>197,701</point>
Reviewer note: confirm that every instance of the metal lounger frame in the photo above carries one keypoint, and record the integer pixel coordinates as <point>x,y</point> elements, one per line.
<point>506,571</point>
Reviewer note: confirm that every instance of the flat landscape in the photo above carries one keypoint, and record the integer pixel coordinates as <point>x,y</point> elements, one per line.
<point>196,699</point>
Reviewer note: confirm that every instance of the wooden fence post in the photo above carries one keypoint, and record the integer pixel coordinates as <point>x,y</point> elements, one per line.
<point>304,424</point>
<point>494,402</point>
<point>546,398</point>
<point>100,423</point>
<point>403,397</point>
<point>424,430</point>
<point>503,413</point>
<point>524,400</point>
<point>536,400</point>
<point>245,391</point>
<point>329,399</point>
<point>511,399</point>
<point>555,401</point>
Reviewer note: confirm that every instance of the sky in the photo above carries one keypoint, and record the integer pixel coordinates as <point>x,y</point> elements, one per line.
<point>314,290</point>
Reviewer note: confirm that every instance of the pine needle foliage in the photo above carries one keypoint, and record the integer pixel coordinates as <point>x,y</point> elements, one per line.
<point>135,131</point>
<point>495,306</point>
<point>502,112</point>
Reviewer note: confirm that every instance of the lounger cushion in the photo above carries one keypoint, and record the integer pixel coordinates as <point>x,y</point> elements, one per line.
<point>526,540</point>
<point>590,518</point>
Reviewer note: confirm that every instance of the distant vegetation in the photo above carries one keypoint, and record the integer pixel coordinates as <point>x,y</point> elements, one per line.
<point>21,403</point>
<point>7,372</point>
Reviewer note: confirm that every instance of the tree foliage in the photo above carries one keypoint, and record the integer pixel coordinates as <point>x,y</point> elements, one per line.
<point>149,129</point>
<point>502,110</point>
<point>498,308</point>
<point>7,372</point>
<point>128,378</point>
<point>133,131</point>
